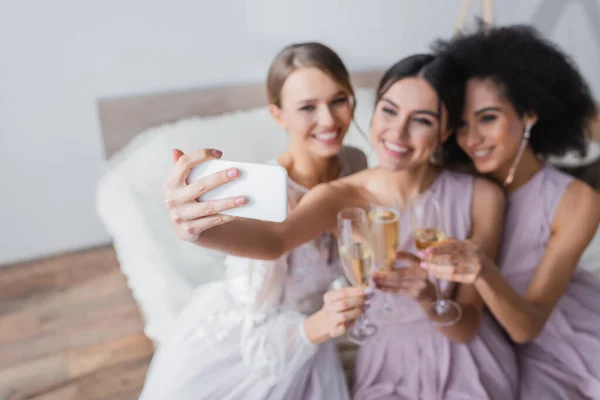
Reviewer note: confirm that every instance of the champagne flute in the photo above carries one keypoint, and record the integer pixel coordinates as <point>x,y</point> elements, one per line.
<point>428,230</point>
<point>385,232</point>
<point>355,253</point>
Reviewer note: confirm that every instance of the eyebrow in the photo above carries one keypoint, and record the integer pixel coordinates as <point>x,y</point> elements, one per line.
<point>341,92</point>
<point>390,102</point>
<point>428,112</point>
<point>486,109</point>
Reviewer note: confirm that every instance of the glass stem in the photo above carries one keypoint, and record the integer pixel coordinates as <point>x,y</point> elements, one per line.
<point>359,325</point>
<point>440,303</point>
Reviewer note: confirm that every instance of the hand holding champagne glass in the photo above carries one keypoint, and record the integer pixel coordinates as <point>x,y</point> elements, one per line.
<point>455,260</point>
<point>356,254</point>
<point>428,230</point>
<point>407,279</point>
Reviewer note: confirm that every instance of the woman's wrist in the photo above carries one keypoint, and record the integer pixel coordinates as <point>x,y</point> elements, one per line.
<point>314,328</point>
<point>483,276</point>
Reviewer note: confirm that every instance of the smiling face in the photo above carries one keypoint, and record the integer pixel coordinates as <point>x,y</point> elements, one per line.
<point>315,111</point>
<point>493,130</point>
<point>406,124</point>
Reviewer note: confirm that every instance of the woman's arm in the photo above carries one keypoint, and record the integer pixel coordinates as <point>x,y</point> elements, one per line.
<point>277,341</point>
<point>315,214</point>
<point>201,223</point>
<point>487,215</point>
<point>487,218</point>
<point>574,225</point>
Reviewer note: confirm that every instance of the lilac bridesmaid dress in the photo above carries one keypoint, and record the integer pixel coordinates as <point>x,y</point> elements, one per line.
<point>563,361</point>
<point>408,359</point>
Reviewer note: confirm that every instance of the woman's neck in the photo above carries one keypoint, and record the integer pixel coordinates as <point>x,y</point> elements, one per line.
<point>527,168</point>
<point>307,170</point>
<point>404,185</point>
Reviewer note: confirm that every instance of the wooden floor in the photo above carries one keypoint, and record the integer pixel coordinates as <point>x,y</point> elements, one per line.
<point>69,329</point>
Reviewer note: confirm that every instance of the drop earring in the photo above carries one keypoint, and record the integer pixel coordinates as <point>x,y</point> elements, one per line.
<point>513,168</point>
<point>437,158</point>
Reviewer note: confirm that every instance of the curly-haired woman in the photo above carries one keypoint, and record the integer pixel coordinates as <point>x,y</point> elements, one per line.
<point>525,101</point>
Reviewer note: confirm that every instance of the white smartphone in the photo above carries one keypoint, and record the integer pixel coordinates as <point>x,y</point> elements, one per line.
<point>264,185</point>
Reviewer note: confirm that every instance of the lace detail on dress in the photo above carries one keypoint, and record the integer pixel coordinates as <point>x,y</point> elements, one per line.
<point>266,302</point>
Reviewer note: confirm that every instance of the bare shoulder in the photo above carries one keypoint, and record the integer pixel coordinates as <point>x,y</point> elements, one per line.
<point>354,180</point>
<point>579,205</point>
<point>574,224</point>
<point>486,191</point>
<point>333,192</point>
<point>346,186</point>
<point>581,194</point>
<point>487,213</point>
<point>349,190</point>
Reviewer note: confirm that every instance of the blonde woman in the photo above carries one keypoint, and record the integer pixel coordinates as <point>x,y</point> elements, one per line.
<point>263,332</point>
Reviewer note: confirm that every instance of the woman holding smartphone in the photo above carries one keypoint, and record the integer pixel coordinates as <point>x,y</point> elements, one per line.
<point>245,337</point>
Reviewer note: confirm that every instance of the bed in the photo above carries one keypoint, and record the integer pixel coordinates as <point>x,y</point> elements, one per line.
<point>124,117</point>
<point>138,132</point>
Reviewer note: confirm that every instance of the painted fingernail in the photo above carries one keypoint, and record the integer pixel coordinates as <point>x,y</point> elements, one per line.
<point>232,173</point>
<point>421,254</point>
<point>424,265</point>
<point>368,290</point>
<point>217,153</point>
<point>240,200</point>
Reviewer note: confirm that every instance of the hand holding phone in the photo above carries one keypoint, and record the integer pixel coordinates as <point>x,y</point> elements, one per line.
<point>195,203</point>
<point>263,185</point>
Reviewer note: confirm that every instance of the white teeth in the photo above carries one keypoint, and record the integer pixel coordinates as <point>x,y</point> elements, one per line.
<point>395,148</point>
<point>482,153</point>
<point>326,136</point>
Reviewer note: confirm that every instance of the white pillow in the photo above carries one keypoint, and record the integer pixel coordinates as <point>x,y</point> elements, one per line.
<point>590,258</point>
<point>573,160</point>
<point>162,271</point>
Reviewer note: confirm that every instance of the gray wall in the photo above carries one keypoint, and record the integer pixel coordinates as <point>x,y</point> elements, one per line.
<point>58,57</point>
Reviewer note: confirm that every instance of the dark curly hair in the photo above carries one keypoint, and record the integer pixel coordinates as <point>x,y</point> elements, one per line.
<point>535,76</point>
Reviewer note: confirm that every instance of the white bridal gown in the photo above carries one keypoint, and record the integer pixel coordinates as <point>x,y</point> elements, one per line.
<point>243,337</point>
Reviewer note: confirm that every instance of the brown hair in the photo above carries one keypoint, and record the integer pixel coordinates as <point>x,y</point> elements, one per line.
<point>304,55</point>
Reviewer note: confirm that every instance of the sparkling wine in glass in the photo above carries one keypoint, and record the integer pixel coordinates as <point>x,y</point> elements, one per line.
<point>428,230</point>
<point>356,257</point>
<point>385,232</point>
<point>357,261</point>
